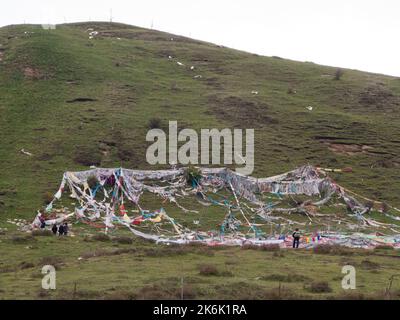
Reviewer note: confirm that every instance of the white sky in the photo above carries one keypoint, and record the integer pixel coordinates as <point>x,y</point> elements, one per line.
<point>357,34</point>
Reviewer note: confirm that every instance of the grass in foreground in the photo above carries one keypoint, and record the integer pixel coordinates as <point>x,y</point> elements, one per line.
<point>73,102</point>
<point>95,267</point>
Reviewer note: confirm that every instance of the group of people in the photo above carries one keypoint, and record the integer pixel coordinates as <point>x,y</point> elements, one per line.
<point>62,230</point>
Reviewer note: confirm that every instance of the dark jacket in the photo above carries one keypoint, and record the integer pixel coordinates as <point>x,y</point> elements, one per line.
<point>296,234</point>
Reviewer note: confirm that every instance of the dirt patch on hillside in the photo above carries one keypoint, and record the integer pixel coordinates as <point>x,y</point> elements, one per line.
<point>241,112</point>
<point>348,149</point>
<point>32,73</point>
<point>379,97</point>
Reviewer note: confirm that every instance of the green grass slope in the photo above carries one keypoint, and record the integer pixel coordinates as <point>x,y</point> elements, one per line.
<point>126,70</point>
<point>128,77</point>
<point>113,269</point>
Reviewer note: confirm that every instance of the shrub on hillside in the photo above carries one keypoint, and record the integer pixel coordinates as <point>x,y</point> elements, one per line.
<point>154,123</point>
<point>125,153</point>
<point>56,262</point>
<point>208,270</point>
<point>193,175</point>
<point>369,265</point>
<point>123,240</point>
<point>285,277</point>
<point>320,287</point>
<point>92,182</point>
<point>165,252</point>
<point>265,247</point>
<point>26,265</point>
<point>100,237</point>
<point>338,74</point>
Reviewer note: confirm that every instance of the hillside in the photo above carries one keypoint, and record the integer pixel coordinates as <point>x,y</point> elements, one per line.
<point>127,73</point>
<point>71,99</point>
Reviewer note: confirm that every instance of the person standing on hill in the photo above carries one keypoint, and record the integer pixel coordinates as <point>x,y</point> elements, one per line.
<point>42,222</point>
<point>66,229</point>
<point>61,230</point>
<point>296,238</point>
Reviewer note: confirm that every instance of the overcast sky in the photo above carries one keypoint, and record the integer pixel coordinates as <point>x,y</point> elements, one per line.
<point>357,34</point>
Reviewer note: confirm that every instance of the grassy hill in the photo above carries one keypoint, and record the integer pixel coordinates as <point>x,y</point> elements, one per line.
<point>72,101</point>
<point>132,80</point>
